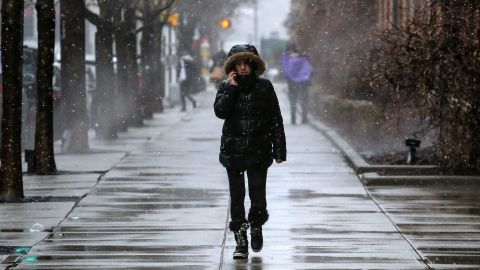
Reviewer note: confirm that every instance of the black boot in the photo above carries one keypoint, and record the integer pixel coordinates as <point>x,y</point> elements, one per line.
<point>257,217</point>
<point>256,238</point>
<point>241,251</point>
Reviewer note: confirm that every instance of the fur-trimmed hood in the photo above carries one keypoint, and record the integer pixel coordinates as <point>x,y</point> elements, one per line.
<point>244,52</point>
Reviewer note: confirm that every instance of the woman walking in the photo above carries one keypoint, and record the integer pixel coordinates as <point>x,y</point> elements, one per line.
<point>252,137</point>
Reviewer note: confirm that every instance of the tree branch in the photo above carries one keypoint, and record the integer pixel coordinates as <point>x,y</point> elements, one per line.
<point>93,17</point>
<point>157,12</point>
<point>159,24</point>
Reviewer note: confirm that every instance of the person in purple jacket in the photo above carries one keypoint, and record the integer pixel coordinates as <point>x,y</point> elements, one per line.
<point>298,71</point>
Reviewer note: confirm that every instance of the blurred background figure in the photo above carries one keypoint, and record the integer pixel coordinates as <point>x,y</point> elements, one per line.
<point>216,70</point>
<point>185,76</point>
<point>298,72</point>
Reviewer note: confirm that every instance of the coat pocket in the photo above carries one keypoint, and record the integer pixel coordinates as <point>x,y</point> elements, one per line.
<point>226,144</point>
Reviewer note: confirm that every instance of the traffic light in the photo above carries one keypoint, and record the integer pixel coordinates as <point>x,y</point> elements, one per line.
<point>225,23</point>
<point>174,19</point>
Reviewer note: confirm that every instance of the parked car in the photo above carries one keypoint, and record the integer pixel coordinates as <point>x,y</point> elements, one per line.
<point>29,96</point>
<point>1,90</point>
<point>91,87</point>
<point>29,93</point>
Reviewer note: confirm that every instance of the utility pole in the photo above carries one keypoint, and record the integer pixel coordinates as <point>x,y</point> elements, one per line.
<point>255,23</point>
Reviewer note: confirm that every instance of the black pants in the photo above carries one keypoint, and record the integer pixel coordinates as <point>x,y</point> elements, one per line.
<point>298,91</point>
<point>257,180</point>
<point>185,88</point>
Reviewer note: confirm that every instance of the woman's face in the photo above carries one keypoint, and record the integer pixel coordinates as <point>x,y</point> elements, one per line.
<point>243,68</point>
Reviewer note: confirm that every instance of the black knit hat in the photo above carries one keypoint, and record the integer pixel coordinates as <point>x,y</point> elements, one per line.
<point>244,52</point>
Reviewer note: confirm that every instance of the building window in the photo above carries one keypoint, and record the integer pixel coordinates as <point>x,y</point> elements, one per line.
<point>395,13</point>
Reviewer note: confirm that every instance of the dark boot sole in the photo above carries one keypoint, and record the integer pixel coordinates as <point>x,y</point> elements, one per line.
<point>239,256</point>
<point>256,250</point>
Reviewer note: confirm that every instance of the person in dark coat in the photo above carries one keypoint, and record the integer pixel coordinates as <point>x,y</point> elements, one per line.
<point>185,75</point>
<point>216,70</point>
<point>252,137</point>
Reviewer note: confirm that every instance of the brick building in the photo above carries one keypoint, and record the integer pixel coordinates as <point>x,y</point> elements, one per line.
<point>399,12</point>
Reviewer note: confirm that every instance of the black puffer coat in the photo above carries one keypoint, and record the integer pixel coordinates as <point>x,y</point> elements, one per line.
<point>253,131</point>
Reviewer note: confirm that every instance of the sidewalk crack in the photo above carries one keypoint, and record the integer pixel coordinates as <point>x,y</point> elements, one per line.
<point>225,230</point>
<point>423,259</point>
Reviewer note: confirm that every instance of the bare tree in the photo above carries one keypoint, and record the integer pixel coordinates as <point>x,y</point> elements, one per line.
<point>316,29</point>
<point>44,159</point>
<point>73,75</point>
<point>432,68</point>
<point>153,18</point>
<point>11,183</point>
<point>119,18</point>
<point>116,21</point>
<point>126,47</point>
<point>107,126</point>
<point>203,17</point>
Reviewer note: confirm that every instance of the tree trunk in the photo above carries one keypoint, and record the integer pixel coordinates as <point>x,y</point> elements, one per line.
<point>186,34</point>
<point>159,71</point>
<point>136,115</point>
<point>73,76</point>
<point>44,159</point>
<point>148,58</point>
<point>123,99</point>
<point>125,42</point>
<point>11,182</point>
<point>105,74</point>
<point>186,44</point>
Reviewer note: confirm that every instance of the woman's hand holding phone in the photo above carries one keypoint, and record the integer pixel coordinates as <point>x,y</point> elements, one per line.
<point>232,77</point>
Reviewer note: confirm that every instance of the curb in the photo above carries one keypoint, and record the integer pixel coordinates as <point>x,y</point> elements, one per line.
<point>374,179</point>
<point>359,164</point>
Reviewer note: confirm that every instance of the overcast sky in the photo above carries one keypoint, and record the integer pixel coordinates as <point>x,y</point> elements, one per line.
<point>271,17</point>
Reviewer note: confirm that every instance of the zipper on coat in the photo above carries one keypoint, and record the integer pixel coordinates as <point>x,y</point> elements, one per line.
<point>249,96</point>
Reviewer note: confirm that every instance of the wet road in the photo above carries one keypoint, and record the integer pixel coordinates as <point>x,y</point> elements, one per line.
<point>165,206</point>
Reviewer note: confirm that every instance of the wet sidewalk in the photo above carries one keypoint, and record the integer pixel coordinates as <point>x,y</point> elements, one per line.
<point>164,205</point>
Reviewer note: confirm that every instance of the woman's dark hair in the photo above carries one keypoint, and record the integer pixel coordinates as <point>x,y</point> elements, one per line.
<point>250,62</point>
<point>253,65</point>
<point>291,47</point>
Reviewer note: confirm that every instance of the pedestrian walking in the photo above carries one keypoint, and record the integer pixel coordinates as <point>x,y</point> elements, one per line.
<point>185,75</point>
<point>252,137</point>
<point>216,70</point>
<point>298,71</point>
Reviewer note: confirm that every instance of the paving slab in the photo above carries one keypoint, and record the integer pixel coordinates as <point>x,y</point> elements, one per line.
<point>59,186</point>
<point>21,239</point>
<point>91,162</point>
<point>95,161</point>
<point>17,219</point>
<point>23,225</point>
<point>165,206</point>
<point>21,216</point>
<point>442,221</point>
